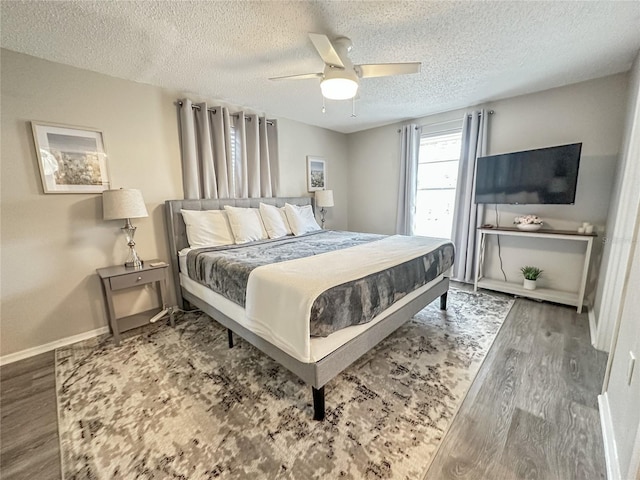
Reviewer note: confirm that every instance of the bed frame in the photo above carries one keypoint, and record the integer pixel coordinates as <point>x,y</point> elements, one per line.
<point>316,374</point>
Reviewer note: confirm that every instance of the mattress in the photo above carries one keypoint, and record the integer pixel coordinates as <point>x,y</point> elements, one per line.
<point>346,278</point>
<point>281,296</point>
<point>320,347</point>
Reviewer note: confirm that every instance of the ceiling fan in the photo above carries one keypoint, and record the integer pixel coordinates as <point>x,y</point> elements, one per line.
<point>340,78</point>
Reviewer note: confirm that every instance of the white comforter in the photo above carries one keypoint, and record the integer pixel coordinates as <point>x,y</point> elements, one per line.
<point>284,317</point>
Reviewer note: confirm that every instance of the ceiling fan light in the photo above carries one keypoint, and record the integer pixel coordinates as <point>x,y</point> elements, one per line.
<point>338,88</point>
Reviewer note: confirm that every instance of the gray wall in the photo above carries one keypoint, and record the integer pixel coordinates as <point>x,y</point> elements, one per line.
<point>298,140</point>
<point>52,244</point>
<point>590,112</point>
<point>374,173</point>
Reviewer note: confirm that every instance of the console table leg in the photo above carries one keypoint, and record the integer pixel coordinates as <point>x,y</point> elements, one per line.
<point>113,322</point>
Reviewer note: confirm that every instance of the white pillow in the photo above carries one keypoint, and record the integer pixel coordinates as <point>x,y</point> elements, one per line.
<point>301,219</point>
<point>207,228</point>
<point>275,221</point>
<point>246,224</point>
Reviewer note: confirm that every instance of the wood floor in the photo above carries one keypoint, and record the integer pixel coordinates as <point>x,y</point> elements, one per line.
<point>29,447</point>
<point>532,411</point>
<point>530,414</point>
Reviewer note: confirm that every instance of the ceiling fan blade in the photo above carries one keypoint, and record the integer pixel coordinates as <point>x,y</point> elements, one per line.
<point>302,76</point>
<point>386,69</point>
<point>326,50</point>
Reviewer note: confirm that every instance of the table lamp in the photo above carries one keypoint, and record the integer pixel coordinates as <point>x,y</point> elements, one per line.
<point>126,203</point>
<point>324,198</point>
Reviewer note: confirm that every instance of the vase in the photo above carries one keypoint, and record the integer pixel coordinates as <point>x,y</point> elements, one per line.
<point>529,284</point>
<point>529,227</point>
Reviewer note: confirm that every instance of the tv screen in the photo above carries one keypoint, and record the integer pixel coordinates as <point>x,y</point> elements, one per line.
<point>546,175</point>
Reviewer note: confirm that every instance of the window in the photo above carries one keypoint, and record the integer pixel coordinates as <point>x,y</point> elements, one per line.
<point>437,179</point>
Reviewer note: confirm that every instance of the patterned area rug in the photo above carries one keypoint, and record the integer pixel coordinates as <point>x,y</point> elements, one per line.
<point>178,403</point>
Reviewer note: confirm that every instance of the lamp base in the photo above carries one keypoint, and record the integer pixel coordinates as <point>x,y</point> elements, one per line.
<point>133,260</point>
<point>134,264</point>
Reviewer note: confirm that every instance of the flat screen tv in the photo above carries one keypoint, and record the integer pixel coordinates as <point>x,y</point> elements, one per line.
<point>546,175</point>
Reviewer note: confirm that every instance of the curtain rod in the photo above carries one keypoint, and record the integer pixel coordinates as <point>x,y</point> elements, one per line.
<point>234,115</point>
<point>438,123</point>
<point>490,112</point>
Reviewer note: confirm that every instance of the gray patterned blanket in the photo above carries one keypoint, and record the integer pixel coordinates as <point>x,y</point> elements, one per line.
<point>226,270</point>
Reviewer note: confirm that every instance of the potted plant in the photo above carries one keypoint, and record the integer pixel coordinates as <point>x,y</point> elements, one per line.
<point>530,274</point>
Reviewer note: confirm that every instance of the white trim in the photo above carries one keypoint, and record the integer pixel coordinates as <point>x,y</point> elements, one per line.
<point>593,328</point>
<point>620,233</point>
<point>610,451</point>
<point>30,352</point>
<point>635,458</point>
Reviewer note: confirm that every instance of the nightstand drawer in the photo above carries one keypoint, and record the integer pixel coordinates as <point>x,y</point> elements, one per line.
<point>137,278</point>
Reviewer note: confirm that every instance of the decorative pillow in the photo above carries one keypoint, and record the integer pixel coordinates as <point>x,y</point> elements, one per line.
<point>246,224</point>
<point>207,228</point>
<point>275,221</point>
<point>301,219</point>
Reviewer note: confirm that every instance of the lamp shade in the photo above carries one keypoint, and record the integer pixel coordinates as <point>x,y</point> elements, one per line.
<point>324,198</point>
<point>123,203</point>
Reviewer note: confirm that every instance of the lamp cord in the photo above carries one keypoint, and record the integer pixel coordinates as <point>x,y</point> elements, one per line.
<point>498,239</point>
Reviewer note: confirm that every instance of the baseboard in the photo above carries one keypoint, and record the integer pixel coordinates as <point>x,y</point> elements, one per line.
<point>593,329</point>
<point>610,451</point>
<point>31,352</point>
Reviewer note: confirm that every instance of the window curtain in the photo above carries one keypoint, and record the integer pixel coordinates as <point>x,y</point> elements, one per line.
<point>227,155</point>
<point>257,166</point>
<point>407,191</point>
<point>467,214</point>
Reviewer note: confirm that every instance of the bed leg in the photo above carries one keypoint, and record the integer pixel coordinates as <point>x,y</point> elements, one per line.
<point>230,335</point>
<point>443,301</point>
<point>318,403</point>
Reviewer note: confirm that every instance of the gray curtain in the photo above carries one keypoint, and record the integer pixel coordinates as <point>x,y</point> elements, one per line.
<point>467,214</point>
<point>409,150</point>
<point>227,156</point>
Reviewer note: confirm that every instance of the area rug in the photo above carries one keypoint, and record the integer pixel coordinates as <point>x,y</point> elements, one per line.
<point>178,403</point>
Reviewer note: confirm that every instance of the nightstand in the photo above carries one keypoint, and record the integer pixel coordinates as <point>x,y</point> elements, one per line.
<point>118,278</point>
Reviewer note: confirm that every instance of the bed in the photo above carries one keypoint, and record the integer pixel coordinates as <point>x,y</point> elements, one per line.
<point>316,359</point>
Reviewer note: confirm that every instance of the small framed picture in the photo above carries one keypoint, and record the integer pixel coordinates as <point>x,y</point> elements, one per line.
<point>71,159</point>
<point>316,174</point>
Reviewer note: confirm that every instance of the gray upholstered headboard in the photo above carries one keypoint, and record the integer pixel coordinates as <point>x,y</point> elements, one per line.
<point>177,231</point>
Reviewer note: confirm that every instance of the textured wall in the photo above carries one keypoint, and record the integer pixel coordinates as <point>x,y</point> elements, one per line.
<point>590,112</point>
<point>52,244</point>
<point>298,140</point>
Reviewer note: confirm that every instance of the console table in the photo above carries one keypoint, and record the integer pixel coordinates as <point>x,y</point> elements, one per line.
<point>566,298</point>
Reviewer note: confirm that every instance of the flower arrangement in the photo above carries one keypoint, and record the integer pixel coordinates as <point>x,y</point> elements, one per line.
<point>528,220</point>
<point>531,273</point>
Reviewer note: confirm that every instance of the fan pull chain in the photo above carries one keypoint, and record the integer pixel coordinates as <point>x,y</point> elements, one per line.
<point>324,110</point>
<point>353,107</point>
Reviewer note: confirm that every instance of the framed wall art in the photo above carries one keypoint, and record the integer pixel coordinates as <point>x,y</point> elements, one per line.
<point>316,174</point>
<point>71,159</point>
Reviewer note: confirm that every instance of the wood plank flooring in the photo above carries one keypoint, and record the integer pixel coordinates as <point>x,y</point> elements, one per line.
<point>531,413</point>
<point>29,446</point>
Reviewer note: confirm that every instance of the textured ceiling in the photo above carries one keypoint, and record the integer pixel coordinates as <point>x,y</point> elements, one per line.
<point>471,51</point>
